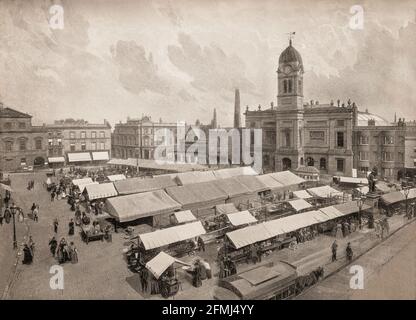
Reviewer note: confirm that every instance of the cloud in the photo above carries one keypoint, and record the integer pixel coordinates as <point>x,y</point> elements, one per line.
<point>210,67</point>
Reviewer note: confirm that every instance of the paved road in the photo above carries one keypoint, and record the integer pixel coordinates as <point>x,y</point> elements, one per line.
<point>389,272</point>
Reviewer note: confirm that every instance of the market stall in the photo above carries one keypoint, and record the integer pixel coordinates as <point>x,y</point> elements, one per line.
<point>299,205</point>
<point>191,177</point>
<point>139,185</point>
<point>234,172</point>
<point>181,217</point>
<point>99,191</point>
<point>237,193</point>
<point>116,177</point>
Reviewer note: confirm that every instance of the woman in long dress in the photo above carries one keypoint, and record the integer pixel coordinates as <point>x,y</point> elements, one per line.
<point>74,254</point>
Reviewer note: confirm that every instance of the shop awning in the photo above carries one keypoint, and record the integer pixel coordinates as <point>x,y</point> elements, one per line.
<point>141,205</point>
<point>116,177</point>
<point>164,237</point>
<point>299,204</point>
<point>331,212</point>
<point>100,191</point>
<point>324,192</point>
<point>184,216</point>
<point>252,183</point>
<point>234,172</point>
<point>79,157</point>
<point>56,159</point>
<point>225,208</point>
<point>392,197</point>
<point>271,183</point>
<point>139,185</point>
<point>302,194</point>
<point>350,207</point>
<point>287,178</point>
<point>241,218</point>
<point>100,156</point>
<point>77,182</point>
<point>161,263</point>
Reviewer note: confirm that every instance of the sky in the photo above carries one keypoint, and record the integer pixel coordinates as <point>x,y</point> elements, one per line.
<point>178,60</point>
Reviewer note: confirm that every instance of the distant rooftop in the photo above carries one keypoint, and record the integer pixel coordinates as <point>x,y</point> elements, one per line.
<point>6,112</point>
<point>77,123</point>
<point>363,118</point>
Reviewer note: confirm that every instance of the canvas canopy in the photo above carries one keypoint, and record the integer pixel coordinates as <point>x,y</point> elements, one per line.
<point>79,157</point>
<point>241,218</point>
<point>324,192</point>
<point>249,235</point>
<point>161,263</point>
<point>271,183</point>
<point>77,182</point>
<point>363,190</point>
<point>302,194</point>
<point>156,165</point>
<point>331,212</point>
<point>100,191</point>
<point>234,172</point>
<point>287,178</point>
<point>195,177</point>
<point>82,186</point>
<point>232,187</point>
<point>116,177</point>
<point>353,180</point>
<point>138,185</point>
<point>393,197</point>
<point>226,208</point>
<point>164,237</point>
<point>100,155</point>
<point>6,187</point>
<point>141,205</point>
<point>252,183</point>
<point>299,204</point>
<point>56,159</point>
<point>184,216</point>
<point>350,207</point>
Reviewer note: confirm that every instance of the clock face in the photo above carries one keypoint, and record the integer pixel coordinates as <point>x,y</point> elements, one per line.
<point>287,69</point>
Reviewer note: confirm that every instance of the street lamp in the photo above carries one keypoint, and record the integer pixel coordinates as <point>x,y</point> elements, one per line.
<point>406,194</point>
<point>13,212</point>
<point>360,202</point>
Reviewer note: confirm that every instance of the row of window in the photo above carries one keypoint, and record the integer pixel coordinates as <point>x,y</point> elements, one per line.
<point>131,140</point>
<point>22,145</point>
<point>364,140</point>
<point>384,171</point>
<point>10,125</point>
<point>94,146</point>
<point>385,156</point>
<point>83,134</point>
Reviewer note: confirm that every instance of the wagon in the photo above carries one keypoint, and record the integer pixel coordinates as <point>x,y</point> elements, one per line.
<point>88,234</point>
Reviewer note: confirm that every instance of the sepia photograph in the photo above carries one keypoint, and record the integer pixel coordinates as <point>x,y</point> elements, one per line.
<point>207,150</point>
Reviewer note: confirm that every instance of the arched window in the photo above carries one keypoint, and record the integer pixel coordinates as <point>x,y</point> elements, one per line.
<point>301,161</point>
<point>285,86</point>
<point>289,86</point>
<point>322,164</point>
<point>287,139</point>
<point>310,162</point>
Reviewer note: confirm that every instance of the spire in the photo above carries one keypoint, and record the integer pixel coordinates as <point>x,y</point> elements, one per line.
<point>395,117</point>
<point>214,123</point>
<point>237,121</point>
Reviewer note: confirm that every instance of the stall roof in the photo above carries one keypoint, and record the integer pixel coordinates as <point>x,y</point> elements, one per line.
<point>184,216</point>
<point>157,165</point>
<point>141,205</point>
<point>249,235</point>
<point>100,155</point>
<point>225,208</point>
<point>234,172</point>
<point>350,207</point>
<point>331,212</point>
<point>383,186</point>
<point>138,185</point>
<point>116,177</point>
<point>241,218</point>
<point>252,183</point>
<point>79,157</point>
<point>185,196</point>
<point>302,194</point>
<point>232,187</point>
<point>353,180</point>
<point>208,191</point>
<point>77,182</point>
<point>317,215</point>
<point>160,263</point>
<point>195,177</point>
<point>287,178</point>
<point>299,204</point>
<point>56,159</point>
<point>82,186</point>
<point>164,237</point>
<point>271,183</point>
<point>100,191</point>
<point>6,187</point>
<point>324,192</point>
<point>411,194</point>
<point>290,223</point>
<point>363,190</point>
<point>393,197</point>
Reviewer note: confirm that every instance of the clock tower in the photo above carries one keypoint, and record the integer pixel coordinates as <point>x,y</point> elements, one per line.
<point>289,113</point>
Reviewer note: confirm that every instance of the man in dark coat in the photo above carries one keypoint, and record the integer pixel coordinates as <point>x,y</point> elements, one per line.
<point>53,244</point>
<point>71,226</point>
<point>27,255</point>
<point>334,248</point>
<point>349,252</point>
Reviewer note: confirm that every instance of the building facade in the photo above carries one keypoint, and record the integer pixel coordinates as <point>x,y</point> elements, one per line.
<point>137,138</point>
<point>410,149</point>
<point>78,141</point>
<point>326,136</point>
<point>22,145</point>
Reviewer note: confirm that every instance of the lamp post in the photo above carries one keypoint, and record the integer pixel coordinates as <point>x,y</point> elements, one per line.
<point>360,203</point>
<point>406,194</point>
<point>13,212</point>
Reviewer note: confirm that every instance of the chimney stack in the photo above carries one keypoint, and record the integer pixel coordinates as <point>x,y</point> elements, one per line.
<point>237,111</point>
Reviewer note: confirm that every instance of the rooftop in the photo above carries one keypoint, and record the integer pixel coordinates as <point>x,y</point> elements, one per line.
<point>6,112</point>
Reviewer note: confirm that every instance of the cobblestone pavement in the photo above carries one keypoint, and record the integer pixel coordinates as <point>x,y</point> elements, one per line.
<point>389,272</point>
<point>102,271</point>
